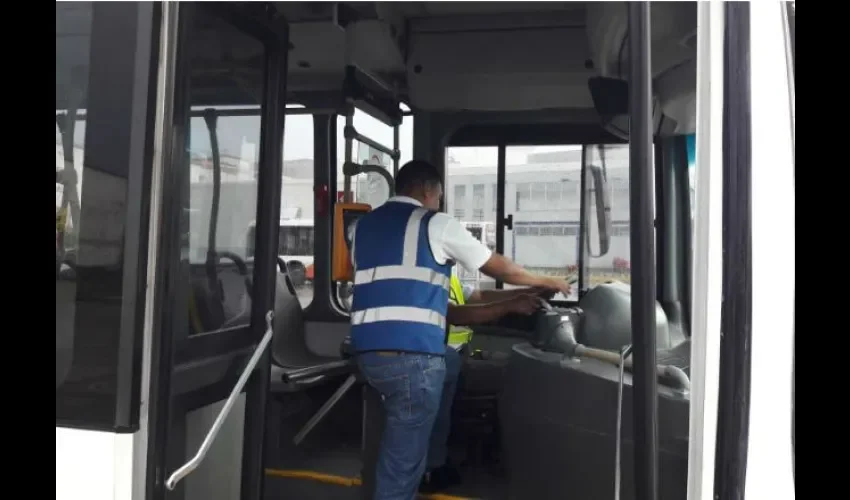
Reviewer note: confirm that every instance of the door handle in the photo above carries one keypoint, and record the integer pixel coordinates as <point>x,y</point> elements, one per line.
<point>195,461</point>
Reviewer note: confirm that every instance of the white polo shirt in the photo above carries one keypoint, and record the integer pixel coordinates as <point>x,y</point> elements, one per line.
<point>449,240</point>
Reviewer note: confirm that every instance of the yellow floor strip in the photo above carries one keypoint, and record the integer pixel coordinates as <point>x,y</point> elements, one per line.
<point>315,476</point>
<point>344,481</point>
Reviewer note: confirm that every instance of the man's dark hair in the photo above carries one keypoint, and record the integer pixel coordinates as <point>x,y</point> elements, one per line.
<point>416,174</point>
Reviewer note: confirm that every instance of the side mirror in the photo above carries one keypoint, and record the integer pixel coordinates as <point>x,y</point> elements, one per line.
<point>602,204</point>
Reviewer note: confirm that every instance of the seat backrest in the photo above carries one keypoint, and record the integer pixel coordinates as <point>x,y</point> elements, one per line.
<point>288,344</point>
<point>289,348</point>
<point>208,312</point>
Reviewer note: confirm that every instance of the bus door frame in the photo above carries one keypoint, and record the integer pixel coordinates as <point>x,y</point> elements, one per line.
<point>201,356</point>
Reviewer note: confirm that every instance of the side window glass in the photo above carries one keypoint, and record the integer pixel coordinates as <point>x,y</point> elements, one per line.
<point>297,234</point>
<point>220,170</point>
<point>543,193</point>
<point>72,69</point>
<point>368,188</point>
<point>100,215</point>
<point>543,196</point>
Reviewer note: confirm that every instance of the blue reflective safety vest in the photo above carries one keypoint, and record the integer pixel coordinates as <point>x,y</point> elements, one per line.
<point>401,293</point>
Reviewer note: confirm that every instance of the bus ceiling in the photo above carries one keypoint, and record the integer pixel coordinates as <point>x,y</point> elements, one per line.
<point>502,57</point>
<point>566,58</point>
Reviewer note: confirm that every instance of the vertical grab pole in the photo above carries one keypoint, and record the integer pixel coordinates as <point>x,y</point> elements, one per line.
<point>396,149</point>
<point>349,117</point>
<point>618,438</point>
<point>349,144</point>
<point>269,181</point>
<point>641,184</point>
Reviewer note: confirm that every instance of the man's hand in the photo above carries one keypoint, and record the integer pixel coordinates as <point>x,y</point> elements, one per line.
<point>525,304</point>
<point>555,285</point>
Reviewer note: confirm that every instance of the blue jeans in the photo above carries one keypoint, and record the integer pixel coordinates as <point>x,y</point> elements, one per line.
<point>417,391</point>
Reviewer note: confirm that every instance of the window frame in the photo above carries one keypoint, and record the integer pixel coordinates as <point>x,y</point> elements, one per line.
<point>504,136</point>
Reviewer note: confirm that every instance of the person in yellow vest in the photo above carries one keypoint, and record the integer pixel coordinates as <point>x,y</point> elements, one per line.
<point>471,306</point>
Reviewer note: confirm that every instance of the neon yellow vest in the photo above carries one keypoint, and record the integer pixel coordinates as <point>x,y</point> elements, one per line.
<point>458,334</point>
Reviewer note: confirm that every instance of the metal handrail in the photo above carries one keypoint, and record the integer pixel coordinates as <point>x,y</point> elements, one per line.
<point>195,461</point>
<point>624,353</point>
<point>352,133</point>
<point>350,169</point>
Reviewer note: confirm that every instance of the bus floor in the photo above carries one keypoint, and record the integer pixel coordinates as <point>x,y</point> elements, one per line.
<point>327,464</point>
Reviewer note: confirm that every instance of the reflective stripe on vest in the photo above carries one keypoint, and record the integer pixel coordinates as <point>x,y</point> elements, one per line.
<point>402,272</point>
<point>397,281</point>
<point>458,334</point>
<point>398,313</point>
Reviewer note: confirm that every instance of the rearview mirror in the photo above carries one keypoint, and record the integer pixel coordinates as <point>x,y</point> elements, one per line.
<point>599,208</point>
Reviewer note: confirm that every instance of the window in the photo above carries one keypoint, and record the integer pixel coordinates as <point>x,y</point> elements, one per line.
<point>619,187</point>
<point>223,143</point>
<point>369,188</point>
<point>523,195</point>
<point>538,195</point>
<point>544,198</point>
<point>478,202</point>
<point>459,202</point>
<point>295,242</point>
<point>101,215</point>
<point>546,211</point>
<point>475,166</point>
<point>553,194</point>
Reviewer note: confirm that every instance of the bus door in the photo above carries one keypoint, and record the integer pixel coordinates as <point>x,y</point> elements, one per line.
<point>221,111</point>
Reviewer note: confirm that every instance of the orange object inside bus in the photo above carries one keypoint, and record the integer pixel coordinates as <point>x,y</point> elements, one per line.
<point>345,214</point>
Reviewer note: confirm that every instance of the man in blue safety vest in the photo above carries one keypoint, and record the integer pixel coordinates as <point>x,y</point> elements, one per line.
<point>403,253</point>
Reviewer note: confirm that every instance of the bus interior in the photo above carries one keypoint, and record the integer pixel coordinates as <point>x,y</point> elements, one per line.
<point>545,408</point>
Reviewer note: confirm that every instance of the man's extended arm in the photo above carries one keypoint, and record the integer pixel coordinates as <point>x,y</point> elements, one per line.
<point>461,246</point>
<point>476,314</point>
<point>503,269</point>
<point>487,296</point>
